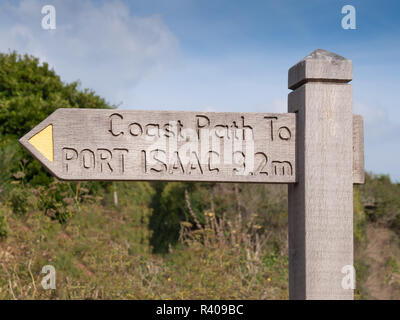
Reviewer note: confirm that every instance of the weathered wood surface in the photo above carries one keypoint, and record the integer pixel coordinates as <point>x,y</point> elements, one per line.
<point>358,150</point>
<point>321,202</point>
<point>88,129</point>
<point>320,66</point>
<point>94,144</point>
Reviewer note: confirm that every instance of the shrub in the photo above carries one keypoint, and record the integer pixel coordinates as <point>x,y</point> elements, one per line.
<point>19,200</point>
<point>4,229</point>
<point>381,200</point>
<point>170,209</point>
<point>359,219</point>
<point>29,92</point>
<point>59,201</point>
<point>8,149</point>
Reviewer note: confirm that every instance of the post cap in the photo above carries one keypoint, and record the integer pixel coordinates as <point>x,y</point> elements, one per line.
<point>321,65</point>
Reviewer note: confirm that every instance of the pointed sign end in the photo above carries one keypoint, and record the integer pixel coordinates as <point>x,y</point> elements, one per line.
<point>43,142</point>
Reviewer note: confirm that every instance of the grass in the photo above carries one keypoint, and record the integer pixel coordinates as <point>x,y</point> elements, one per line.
<point>234,251</point>
<point>104,254</point>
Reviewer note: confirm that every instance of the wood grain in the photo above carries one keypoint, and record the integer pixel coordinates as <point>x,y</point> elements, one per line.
<point>94,144</point>
<point>80,129</point>
<point>358,150</point>
<point>321,202</point>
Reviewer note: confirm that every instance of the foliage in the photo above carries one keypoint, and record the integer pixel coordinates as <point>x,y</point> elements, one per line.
<point>170,209</point>
<point>134,200</point>
<point>360,220</point>
<point>362,272</point>
<point>29,92</point>
<point>381,200</point>
<point>4,228</point>
<point>19,201</point>
<point>268,203</point>
<point>59,201</point>
<point>7,153</point>
<point>97,255</point>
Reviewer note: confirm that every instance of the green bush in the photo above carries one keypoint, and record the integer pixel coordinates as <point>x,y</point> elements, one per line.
<point>19,200</point>
<point>29,92</point>
<point>8,149</point>
<point>4,229</point>
<point>61,200</point>
<point>170,208</point>
<point>381,200</point>
<point>359,219</point>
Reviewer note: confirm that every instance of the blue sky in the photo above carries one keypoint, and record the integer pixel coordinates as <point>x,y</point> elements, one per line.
<point>217,55</point>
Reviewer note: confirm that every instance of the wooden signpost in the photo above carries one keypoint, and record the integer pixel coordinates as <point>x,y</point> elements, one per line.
<point>96,144</point>
<point>316,148</point>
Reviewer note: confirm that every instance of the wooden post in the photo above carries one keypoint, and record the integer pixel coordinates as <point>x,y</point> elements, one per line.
<point>321,202</point>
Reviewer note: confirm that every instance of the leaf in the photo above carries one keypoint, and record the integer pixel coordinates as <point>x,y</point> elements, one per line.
<point>19,175</point>
<point>186,224</point>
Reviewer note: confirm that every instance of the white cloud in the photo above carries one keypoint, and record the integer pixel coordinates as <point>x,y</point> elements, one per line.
<point>379,127</point>
<point>371,114</point>
<point>234,84</point>
<point>380,137</point>
<point>279,105</point>
<point>102,44</point>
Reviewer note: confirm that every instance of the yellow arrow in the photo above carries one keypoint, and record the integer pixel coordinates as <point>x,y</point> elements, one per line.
<point>43,142</point>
